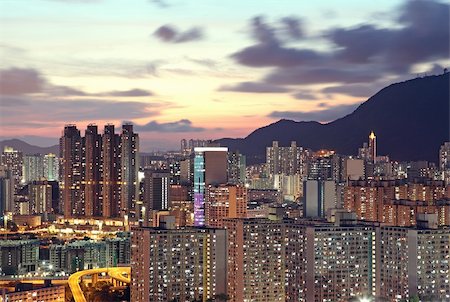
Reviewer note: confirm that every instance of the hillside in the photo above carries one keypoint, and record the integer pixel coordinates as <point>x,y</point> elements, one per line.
<point>410,119</point>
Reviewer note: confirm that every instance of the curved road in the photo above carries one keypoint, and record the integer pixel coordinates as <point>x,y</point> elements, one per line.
<point>121,274</point>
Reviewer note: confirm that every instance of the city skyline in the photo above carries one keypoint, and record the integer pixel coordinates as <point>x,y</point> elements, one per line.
<point>218,70</point>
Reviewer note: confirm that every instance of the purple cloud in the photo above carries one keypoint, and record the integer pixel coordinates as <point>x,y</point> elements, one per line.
<point>170,34</point>
<point>183,125</point>
<point>19,81</point>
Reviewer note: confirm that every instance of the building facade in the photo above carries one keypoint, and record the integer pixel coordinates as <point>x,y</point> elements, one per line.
<point>177,264</point>
<point>210,167</point>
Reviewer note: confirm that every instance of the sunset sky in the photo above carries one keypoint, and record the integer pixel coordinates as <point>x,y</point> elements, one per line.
<point>205,68</point>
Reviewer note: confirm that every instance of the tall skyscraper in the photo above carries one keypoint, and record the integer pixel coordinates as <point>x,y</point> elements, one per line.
<point>210,167</point>
<point>129,171</point>
<point>92,164</point>
<point>6,190</point>
<point>156,190</point>
<point>156,194</point>
<point>72,172</point>
<point>111,172</point>
<point>319,196</point>
<point>177,264</point>
<point>372,147</point>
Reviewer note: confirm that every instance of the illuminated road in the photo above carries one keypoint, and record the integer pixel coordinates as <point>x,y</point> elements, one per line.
<point>117,273</point>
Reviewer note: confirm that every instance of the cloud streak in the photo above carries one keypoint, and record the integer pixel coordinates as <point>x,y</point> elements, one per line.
<point>254,87</point>
<point>181,126</point>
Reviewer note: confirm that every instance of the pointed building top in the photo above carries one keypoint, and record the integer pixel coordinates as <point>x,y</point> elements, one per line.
<point>372,135</point>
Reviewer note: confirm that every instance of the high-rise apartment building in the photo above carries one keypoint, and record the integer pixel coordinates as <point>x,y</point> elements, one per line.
<point>156,194</point>
<point>210,168</point>
<point>177,264</point>
<point>321,165</point>
<point>71,169</point>
<point>129,171</point>
<point>156,190</point>
<point>256,266</point>
<point>40,197</point>
<point>444,157</point>
<point>51,167</point>
<point>13,160</point>
<point>380,200</point>
<point>111,172</point>
<point>224,201</point>
<point>92,165</point>
<point>414,262</point>
<point>33,168</point>
<point>236,168</point>
<point>338,262</point>
<point>284,160</point>
<point>99,172</point>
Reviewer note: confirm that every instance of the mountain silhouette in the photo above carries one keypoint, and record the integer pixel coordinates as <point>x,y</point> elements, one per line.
<point>410,120</point>
<point>26,148</point>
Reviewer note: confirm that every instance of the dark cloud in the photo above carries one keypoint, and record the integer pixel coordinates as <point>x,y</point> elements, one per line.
<point>72,110</point>
<point>268,55</point>
<point>294,27</point>
<point>170,34</point>
<point>324,115</point>
<point>360,54</point>
<point>262,32</point>
<point>360,44</point>
<point>300,75</point>
<point>304,95</point>
<point>270,50</point>
<point>193,34</point>
<point>254,87</point>
<point>19,81</point>
<point>166,33</point>
<point>357,90</point>
<point>423,35</point>
<point>183,125</point>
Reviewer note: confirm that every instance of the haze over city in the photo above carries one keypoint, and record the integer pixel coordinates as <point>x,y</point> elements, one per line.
<point>204,69</point>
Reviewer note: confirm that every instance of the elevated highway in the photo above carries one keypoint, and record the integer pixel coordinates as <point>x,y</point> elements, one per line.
<point>121,274</point>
